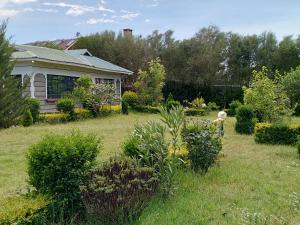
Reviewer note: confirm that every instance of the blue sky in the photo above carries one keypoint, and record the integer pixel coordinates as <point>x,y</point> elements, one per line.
<point>31,20</point>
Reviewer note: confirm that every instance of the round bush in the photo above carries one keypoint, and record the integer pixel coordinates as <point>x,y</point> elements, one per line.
<point>131,98</point>
<point>57,166</point>
<point>66,105</point>
<point>124,107</point>
<point>245,120</point>
<point>27,119</point>
<point>33,105</point>
<point>203,144</point>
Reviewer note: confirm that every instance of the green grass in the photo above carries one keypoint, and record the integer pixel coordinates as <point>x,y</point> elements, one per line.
<point>248,178</point>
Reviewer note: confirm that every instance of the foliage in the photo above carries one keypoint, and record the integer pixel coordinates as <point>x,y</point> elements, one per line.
<point>297,109</point>
<point>124,107</point>
<point>174,119</point>
<point>203,144</point>
<point>170,102</point>
<point>54,118</point>
<point>267,97</point>
<point>131,98</point>
<point>198,103</point>
<point>27,119</point>
<point>150,82</point>
<point>118,191</point>
<point>277,133</point>
<point>33,105</point>
<point>12,98</point>
<point>233,106</point>
<point>108,109</point>
<point>57,166</point>
<point>196,112</point>
<point>147,144</point>
<point>66,105</point>
<point>291,84</point>
<point>298,147</point>
<point>100,95</point>
<point>146,109</point>
<point>82,114</point>
<point>245,120</point>
<point>23,210</point>
<point>213,106</point>
<point>81,90</point>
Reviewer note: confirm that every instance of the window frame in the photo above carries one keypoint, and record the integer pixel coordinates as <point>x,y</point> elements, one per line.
<point>63,85</point>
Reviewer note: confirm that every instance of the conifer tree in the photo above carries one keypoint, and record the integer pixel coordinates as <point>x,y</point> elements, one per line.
<point>12,99</point>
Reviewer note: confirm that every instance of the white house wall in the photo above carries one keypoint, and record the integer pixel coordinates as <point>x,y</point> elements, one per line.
<point>38,81</point>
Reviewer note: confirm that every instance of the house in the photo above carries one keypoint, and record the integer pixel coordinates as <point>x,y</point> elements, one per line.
<point>53,72</point>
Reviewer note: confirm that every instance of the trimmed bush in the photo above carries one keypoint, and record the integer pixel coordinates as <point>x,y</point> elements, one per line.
<point>27,119</point>
<point>245,120</point>
<point>107,109</point>
<point>233,106</point>
<point>33,105</point>
<point>57,166</point>
<point>146,109</point>
<point>203,144</point>
<point>213,106</point>
<point>283,134</point>
<point>124,107</point>
<point>298,147</point>
<point>131,98</point>
<point>118,191</point>
<point>23,210</point>
<point>54,118</point>
<point>195,112</point>
<point>66,105</point>
<point>82,114</point>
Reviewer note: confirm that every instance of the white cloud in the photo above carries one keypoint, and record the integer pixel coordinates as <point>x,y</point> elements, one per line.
<point>77,10</point>
<point>147,20</point>
<point>100,20</point>
<point>8,12</point>
<point>4,2</point>
<point>127,15</point>
<point>103,2</point>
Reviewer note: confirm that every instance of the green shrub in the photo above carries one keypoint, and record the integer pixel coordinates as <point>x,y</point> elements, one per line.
<point>203,144</point>
<point>276,134</point>
<point>54,118</point>
<point>124,107</point>
<point>213,106</point>
<point>23,210</point>
<point>57,166</point>
<point>245,120</point>
<point>118,191</point>
<point>66,105</point>
<point>147,144</point>
<point>298,147</point>
<point>297,110</point>
<point>233,106</point>
<point>171,103</point>
<point>82,114</point>
<point>131,98</point>
<point>27,119</point>
<point>196,112</point>
<point>33,105</point>
<point>146,109</point>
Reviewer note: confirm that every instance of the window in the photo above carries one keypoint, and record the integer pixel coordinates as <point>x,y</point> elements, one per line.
<point>104,81</point>
<point>59,85</point>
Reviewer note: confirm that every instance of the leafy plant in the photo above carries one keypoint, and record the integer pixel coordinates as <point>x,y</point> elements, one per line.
<point>245,120</point>
<point>170,102</point>
<point>57,166</point>
<point>124,107</point>
<point>27,119</point>
<point>174,119</point>
<point>213,106</point>
<point>131,98</point>
<point>118,191</point>
<point>66,105</point>
<point>233,106</point>
<point>203,144</point>
<point>33,105</point>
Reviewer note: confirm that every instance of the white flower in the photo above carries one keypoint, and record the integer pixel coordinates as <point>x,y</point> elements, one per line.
<point>222,115</point>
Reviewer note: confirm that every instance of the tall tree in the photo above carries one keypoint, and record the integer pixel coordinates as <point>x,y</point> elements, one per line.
<point>12,100</point>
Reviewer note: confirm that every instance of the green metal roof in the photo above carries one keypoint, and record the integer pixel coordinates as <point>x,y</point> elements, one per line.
<point>79,57</point>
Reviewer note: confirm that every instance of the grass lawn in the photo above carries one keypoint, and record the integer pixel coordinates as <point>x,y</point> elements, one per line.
<point>249,182</point>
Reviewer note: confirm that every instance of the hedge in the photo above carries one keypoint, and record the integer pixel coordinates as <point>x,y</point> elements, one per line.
<point>268,133</point>
<point>146,109</point>
<point>196,112</point>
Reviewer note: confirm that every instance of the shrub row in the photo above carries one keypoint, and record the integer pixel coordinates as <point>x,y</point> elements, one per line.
<point>268,133</point>
<point>196,112</point>
<point>146,109</point>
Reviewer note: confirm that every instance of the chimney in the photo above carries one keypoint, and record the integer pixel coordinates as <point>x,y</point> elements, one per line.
<point>127,32</point>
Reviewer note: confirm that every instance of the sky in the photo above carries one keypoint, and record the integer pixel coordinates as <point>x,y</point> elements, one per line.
<point>37,20</point>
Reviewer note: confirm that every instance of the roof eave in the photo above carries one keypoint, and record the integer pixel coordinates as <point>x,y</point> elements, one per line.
<point>71,64</point>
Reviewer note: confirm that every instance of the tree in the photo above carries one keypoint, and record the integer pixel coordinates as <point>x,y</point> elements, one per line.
<point>291,83</point>
<point>12,99</point>
<point>268,98</point>
<point>150,82</point>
